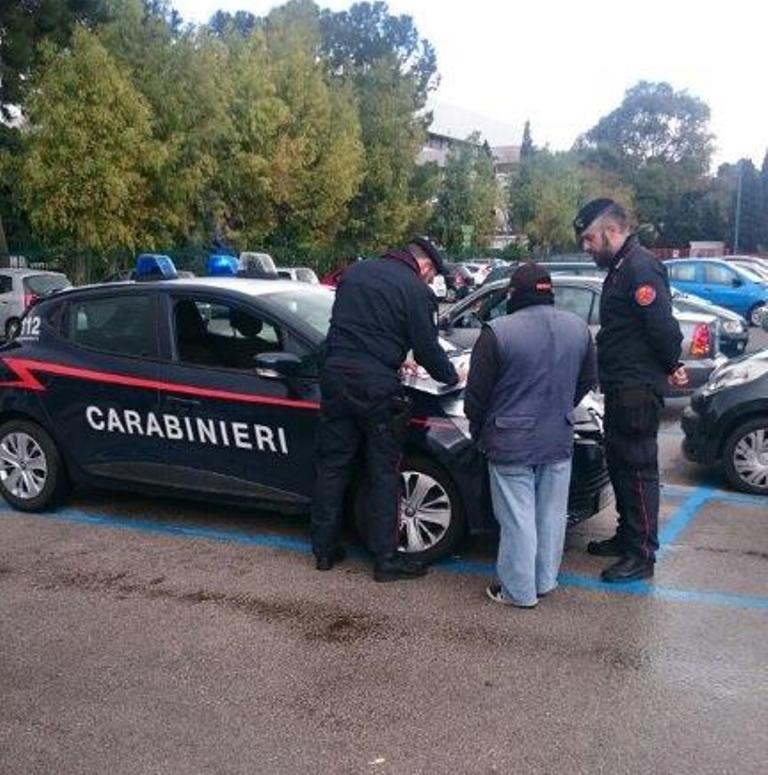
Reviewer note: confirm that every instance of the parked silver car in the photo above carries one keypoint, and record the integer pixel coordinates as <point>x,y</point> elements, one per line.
<point>581,295</point>
<point>19,288</point>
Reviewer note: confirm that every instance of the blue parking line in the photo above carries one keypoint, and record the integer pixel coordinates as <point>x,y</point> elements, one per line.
<point>725,496</point>
<point>302,546</point>
<point>682,517</point>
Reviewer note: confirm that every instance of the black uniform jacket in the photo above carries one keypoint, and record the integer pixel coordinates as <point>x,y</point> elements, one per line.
<point>639,339</point>
<point>382,310</point>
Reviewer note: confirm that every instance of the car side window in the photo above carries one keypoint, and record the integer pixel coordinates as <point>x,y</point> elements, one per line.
<point>6,283</point>
<point>682,272</point>
<point>715,274</point>
<point>576,300</point>
<point>119,325</point>
<point>214,333</point>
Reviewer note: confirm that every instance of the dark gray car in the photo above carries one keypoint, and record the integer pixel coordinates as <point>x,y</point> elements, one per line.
<point>461,324</point>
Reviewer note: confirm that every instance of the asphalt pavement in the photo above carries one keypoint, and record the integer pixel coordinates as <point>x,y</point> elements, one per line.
<point>143,636</point>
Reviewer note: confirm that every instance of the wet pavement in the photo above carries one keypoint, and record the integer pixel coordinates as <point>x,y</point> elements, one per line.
<point>159,637</point>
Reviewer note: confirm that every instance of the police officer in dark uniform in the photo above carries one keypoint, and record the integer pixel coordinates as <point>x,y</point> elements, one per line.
<point>638,353</point>
<point>383,309</point>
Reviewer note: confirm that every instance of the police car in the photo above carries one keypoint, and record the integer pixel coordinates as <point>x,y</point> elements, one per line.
<point>207,387</point>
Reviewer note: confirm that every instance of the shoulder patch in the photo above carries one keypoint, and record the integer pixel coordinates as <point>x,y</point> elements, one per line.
<point>645,295</point>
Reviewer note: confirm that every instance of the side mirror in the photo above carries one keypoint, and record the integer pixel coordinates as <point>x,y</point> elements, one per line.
<point>277,365</point>
<point>736,282</point>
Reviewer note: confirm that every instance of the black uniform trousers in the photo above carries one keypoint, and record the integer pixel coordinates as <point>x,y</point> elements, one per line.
<point>632,418</point>
<point>359,415</point>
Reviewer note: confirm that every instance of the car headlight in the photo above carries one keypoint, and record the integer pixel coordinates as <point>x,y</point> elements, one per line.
<point>734,374</point>
<point>733,327</point>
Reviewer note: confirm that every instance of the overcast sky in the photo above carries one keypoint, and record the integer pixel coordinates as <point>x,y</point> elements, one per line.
<point>563,64</point>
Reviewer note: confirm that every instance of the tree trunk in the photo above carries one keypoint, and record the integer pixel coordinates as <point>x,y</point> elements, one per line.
<point>5,259</point>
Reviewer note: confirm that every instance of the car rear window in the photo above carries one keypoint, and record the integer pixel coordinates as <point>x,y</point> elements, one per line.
<point>43,284</point>
<point>121,325</point>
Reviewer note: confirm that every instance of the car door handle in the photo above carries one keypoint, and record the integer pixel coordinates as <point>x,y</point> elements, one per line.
<point>183,403</point>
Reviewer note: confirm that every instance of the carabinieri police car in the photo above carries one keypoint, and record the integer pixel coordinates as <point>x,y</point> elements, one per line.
<point>208,387</point>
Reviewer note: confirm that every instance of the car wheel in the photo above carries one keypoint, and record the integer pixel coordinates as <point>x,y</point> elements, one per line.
<point>12,328</point>
<point>32,476</point>
<point>745,457</point>
<point>755,315</point>
<point>431,515</point>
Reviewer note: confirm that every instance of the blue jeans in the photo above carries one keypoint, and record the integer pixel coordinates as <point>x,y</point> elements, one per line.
<point>530,503</point>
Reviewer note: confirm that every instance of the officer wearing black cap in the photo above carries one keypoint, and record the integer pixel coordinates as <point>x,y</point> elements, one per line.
<point>383,309</point>
<point>638,353</point>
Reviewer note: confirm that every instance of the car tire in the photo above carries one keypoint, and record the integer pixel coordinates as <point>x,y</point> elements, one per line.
<point>12,328</point>
<point>745,457</point>
<point>428,534</point>
<point>755,315</point>
<point>25,445</point>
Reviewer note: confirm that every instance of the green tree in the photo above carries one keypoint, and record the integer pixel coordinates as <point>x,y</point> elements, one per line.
<point>184,76</point>
<point>467,197</point>
<point>527,148</point>
<point>24,25</point>
<point>547,190</point>
<point>391,70</point>
<point>83,177</point>
<point>657,142</point>
<point>316,166</point>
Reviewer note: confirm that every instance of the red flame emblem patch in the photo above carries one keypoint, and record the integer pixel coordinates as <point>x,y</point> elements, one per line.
<point>645,295</point>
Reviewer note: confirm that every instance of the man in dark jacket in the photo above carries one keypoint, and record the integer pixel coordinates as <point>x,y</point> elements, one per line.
<point>383,309</point>
<point>638,352</point>
<point>528,371</point>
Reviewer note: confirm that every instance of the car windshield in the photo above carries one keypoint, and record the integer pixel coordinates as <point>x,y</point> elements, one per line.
<point>311,305</point>
<point>43,284</point>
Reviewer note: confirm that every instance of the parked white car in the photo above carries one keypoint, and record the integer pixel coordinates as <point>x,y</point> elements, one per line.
<point>302,274</point>
<point>255,264</point>
<point>19,288</point>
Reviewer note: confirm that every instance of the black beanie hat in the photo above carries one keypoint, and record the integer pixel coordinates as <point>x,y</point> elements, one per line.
<point>590,213</point>
<point>435,256</point>
<point>530,284</point>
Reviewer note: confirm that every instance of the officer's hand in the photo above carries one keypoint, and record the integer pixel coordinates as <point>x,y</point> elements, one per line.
<point>679,377</point>
<point>409,369</point>
<point>463,371</point>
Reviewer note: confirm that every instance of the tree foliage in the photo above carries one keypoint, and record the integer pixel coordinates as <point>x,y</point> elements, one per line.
<point>24,25</point>
<point>658,142</point>
<point>83,178</point>
<point>390,70</point>
<point>467,197</point>
<point>547,190</point>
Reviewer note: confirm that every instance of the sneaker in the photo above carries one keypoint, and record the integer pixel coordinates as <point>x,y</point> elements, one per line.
<point>495,593</point>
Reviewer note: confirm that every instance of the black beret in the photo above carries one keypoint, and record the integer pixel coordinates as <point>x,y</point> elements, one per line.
<point>590,213</point>
<point>435,256</point>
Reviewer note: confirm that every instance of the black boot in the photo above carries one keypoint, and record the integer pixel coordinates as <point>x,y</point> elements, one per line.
<point>628,569</point>
<point>392,567</point>
<point>611,547</point>
<point>327,561</point>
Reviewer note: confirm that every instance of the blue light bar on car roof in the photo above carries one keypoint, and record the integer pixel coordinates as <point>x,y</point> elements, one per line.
<point>154,266</point>
<point>221,265</point>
